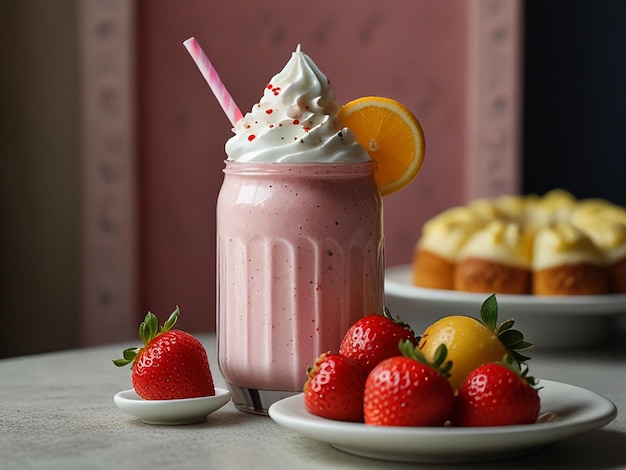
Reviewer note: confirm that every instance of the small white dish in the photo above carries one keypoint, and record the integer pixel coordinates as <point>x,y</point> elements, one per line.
<point>549,322</point>
<point>171,412</point>
<point>567,411</point>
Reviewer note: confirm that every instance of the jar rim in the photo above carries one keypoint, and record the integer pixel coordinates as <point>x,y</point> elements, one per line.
<point>299,169</point>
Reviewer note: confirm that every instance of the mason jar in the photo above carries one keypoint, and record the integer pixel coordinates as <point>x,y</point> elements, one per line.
<point>300,258</point>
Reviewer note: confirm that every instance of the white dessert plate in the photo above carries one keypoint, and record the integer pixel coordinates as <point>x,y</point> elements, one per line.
<point>550,322</point>
<point>171,412</point>
<point>566,411</point>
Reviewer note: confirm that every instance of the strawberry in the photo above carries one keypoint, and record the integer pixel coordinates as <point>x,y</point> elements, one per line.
<point>408,391</point>
<point>374,338</point>
<point>334,389</point>
<point>172,364</point>
<point>496,394</point>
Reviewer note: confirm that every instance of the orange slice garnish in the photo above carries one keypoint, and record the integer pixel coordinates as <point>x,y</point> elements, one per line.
<point>392,136</point>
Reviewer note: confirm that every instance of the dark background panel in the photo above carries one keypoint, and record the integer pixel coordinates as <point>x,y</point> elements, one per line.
<point>575,98</point>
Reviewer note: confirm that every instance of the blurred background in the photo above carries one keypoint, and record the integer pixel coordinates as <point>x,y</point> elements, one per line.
<point>111,144</point>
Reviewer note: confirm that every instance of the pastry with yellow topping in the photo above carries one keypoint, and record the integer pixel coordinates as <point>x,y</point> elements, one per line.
<point>606,226</point>
<point>553,244</point>
<point>566,261</point>
<point>496,258</point>
<point>435,255</point>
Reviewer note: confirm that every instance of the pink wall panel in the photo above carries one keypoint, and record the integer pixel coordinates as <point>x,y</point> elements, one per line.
<point>413,51</point>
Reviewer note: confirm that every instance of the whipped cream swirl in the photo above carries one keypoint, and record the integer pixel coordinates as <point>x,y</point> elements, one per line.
<point>295,121</point>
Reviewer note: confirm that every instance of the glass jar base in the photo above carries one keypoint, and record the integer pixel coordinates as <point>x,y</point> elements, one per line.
<point>255,401</point>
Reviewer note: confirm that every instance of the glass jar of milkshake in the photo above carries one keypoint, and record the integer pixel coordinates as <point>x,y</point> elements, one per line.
<point>299,238</point>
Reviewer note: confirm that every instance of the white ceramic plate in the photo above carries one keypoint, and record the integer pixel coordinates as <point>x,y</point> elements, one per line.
<point>548,322</point>
<point>186,411</point>
<point>572,411</point>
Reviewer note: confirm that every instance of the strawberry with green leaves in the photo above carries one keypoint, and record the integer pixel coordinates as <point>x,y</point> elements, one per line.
<point>497,394</point>
<point>334,388</point>
<point>172,364</point>
<point>407,390</point>
<point>374,338</point>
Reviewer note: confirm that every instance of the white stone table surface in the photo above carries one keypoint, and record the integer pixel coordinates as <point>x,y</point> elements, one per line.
<point>57,412</point>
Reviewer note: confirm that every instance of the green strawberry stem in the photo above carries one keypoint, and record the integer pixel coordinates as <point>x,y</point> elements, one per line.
<point>439,363</point>
<point>520,369</point>
<point>512,339</point>
<point>148,330</point>
<point>397,320</point>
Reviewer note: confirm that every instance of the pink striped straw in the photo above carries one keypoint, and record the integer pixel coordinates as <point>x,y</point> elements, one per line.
<point>213,79</point>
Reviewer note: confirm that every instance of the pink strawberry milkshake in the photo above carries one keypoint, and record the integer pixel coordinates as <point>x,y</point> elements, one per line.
<point>299,238</point>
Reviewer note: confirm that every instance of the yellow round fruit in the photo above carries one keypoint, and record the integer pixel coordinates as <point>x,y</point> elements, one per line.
<point>470,344</point>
